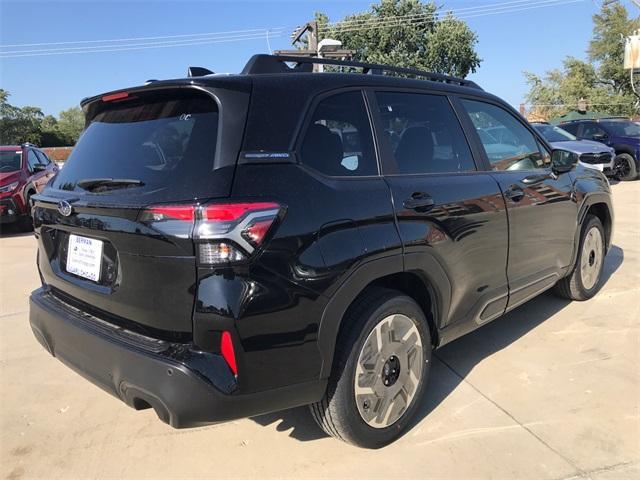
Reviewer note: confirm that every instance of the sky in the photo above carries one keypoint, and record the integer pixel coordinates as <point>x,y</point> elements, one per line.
<point>535,40</point>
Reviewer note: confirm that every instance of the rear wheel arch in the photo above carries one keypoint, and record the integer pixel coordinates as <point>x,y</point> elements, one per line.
<point>389,274</point>
<point>413,285</point>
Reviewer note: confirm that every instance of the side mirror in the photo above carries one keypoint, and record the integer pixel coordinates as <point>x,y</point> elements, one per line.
<point>563,161</point>
<point>39,167</point>
<point>599,137</point>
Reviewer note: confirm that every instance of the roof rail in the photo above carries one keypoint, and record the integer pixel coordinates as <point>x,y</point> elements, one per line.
<point>262,63</point>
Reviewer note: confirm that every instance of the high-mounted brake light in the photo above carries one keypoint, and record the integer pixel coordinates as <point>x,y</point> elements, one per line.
<point>115,96</point>
<point>228,353</point>
<point>225,232</point>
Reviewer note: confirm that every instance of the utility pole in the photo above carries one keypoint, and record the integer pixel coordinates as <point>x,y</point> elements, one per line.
<point>326,48</point>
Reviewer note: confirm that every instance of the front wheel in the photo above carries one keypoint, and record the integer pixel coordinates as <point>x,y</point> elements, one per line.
<point>625,167</point>
<point>583,281</point>
<point>382,363</point>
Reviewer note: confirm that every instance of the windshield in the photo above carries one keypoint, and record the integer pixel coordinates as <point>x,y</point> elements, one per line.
<point>10,161</point>
<point>623,128</point>
<point>163,145</point>
<point>554,134</point>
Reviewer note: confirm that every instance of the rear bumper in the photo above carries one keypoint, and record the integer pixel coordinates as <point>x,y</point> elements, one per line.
<point>186,388</point>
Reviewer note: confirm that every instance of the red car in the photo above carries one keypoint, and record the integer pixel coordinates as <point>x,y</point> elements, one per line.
<point>24,170</point>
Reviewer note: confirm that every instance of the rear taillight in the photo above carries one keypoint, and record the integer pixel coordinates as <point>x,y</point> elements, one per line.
<point>224,233</point>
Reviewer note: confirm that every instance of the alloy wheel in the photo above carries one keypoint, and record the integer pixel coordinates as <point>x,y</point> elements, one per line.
<point>388,371</point>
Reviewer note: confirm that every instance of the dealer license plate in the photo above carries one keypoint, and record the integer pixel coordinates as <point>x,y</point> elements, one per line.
<point>84,257</point>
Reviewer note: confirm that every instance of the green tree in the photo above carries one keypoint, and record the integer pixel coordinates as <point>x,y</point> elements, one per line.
<point>29,124</point>
<point>602,81</point>
<point>70,124</point>
<point>18,125</point>
<point>50,135</point>
<point>406,33</point>
<point>606,49</point>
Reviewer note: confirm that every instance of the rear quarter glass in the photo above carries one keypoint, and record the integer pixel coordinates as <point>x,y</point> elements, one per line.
<point>167,142</point>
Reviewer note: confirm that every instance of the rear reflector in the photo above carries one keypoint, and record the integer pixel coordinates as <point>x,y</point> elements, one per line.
<point>226,348</point>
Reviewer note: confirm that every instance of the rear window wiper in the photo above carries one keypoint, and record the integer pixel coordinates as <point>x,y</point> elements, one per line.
<point>95,184</point>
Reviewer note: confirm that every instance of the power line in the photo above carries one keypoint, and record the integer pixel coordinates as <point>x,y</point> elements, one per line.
<point>118,45</point>
<point>354,22</point>
<point>169,42</point>
<point>396,22</point>
<point>459,12</point>
<point>260,36</point>
<point>166,37</point>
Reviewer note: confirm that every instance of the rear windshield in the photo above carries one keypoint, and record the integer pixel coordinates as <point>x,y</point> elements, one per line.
<point>147,146</point>
<point>10,161</point>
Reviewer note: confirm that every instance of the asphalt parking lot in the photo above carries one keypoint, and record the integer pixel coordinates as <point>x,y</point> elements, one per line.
<point>550,391</point>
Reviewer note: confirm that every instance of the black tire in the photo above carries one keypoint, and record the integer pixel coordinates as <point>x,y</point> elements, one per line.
<point>337,413</point>
<point>26,221</point>
<point>625,166</point>
<point>573,286</point>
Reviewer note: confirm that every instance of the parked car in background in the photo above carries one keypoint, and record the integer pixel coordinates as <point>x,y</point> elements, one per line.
<point>591,154</point>
<point>24,171</point>
<point>620,134</point>
<point>314,257</point>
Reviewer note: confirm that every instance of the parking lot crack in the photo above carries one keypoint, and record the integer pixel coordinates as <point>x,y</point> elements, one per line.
<point>606,468</point>
<point>579,473</point>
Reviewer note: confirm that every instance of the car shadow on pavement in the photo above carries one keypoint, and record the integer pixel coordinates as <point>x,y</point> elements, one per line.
<point>8,231</point>
<point>465,353</point>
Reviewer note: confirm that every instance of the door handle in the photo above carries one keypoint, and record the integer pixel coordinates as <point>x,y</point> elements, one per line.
<point>514,193</point>
<point>420,202</point>
<point>534,179</point>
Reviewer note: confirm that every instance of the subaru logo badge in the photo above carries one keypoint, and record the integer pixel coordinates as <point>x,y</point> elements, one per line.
<point>65,208</point>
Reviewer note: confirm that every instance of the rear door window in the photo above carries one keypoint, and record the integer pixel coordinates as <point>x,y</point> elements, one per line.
<point>424,133</point>
<point>165,144</point>
<point>338,140</point>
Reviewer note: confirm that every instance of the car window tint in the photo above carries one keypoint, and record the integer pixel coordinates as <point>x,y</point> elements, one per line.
<point>509,145</point>
<point>167,141</point>
<point>572,128</point>
<point>338,141</point>
<point>32,159</point>
<point>591,129</point>
<point>10,161</point>
<point>424,133</point>
<point>42,158</point>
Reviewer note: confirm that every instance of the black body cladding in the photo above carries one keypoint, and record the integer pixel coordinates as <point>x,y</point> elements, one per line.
<point>467,242</point>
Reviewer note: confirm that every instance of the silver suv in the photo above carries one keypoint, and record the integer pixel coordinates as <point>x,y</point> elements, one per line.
<point>591,154</point>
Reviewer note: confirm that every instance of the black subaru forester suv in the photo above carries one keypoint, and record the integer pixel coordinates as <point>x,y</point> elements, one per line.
<point>219,247</point>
